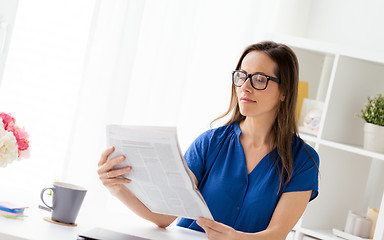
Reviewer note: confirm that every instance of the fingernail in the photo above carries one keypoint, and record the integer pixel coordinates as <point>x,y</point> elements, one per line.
<point>122,157</point>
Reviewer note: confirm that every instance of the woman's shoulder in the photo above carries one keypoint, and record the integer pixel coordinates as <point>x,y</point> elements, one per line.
<point>225,130</point>
<point>219,133</point>
<point>211,141</point>
<point>303,151</point>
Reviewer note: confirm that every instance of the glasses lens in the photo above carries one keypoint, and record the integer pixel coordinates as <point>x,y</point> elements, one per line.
<point>259,81</point>
<point>238,78</point>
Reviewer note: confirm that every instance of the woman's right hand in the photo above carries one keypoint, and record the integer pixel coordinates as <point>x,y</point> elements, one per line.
<point>112,178</point>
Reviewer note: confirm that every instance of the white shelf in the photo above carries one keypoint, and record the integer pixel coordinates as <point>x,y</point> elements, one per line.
<point>328,48</point>
<point>353,149</point>
<point>344,147</point>
<point>325,234</point>
<point>310,138</point>
<point>341,78</point>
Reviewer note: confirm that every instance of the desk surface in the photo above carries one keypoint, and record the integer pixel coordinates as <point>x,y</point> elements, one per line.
<point>36,228</point>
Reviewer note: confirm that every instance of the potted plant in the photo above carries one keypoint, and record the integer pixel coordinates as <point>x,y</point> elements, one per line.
<point>373,114</point>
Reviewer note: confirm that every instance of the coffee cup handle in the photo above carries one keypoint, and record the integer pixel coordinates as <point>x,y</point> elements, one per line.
<point>42,197</point>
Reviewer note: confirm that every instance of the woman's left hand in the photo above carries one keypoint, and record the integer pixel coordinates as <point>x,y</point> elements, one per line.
<point>218,231</point>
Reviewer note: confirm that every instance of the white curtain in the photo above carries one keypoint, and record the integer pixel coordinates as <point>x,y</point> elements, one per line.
<point>40,88</point>
<point>146,62</point>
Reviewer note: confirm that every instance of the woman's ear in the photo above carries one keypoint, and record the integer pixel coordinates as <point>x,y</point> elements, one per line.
<point>282,98</point>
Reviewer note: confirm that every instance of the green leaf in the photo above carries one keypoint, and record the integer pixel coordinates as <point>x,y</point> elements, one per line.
<point>373,111</point>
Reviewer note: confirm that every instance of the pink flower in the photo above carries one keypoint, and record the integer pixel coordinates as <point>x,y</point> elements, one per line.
<point>7,119</point>
<point>14,142</point>
<point>21,136</point>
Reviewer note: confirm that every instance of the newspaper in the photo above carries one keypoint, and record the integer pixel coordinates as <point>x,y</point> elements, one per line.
<point>160,175</point>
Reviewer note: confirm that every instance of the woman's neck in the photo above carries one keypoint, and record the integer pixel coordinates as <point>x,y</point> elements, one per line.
<point>257,131</point>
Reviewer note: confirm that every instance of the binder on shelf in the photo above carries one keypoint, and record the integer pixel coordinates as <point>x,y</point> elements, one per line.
<point>302,93</point>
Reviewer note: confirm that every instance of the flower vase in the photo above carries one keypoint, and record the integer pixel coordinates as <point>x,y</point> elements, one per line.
<point>374,137</point>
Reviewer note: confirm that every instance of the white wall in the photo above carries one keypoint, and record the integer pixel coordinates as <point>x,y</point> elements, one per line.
<point>355,24</point>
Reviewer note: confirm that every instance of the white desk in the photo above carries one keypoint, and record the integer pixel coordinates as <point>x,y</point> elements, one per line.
<point>36,228</point>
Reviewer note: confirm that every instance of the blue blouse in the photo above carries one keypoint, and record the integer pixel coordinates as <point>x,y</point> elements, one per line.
<point>245,201</point>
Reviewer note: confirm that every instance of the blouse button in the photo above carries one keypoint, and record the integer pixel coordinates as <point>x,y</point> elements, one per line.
<point>238,208</point>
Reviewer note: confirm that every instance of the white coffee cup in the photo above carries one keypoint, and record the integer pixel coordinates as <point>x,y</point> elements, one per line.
<point>351,220</point>
<point>358,225</point>
<point>362,227</point>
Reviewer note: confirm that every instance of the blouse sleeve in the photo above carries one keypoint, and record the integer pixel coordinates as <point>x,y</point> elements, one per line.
<point>305,172</point>
<point>195,156</point>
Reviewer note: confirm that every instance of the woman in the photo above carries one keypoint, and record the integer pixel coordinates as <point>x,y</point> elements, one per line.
<point>255,174</point>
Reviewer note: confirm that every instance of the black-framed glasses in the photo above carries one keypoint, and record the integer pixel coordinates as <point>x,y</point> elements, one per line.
<point>259,81</point>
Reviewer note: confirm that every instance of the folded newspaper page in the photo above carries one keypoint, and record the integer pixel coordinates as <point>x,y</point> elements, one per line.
<point>160,176</point>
